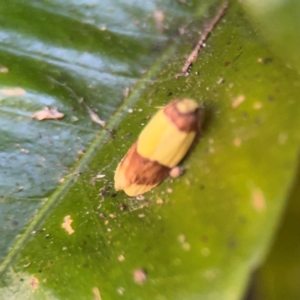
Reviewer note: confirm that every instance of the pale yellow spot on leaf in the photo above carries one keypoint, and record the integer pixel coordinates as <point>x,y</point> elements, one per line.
<point>4,69</point>
<point>27,265</point>
<point>258,200</point>
<point>237,142</point>
<point>126,92</point>
<point>169,190</point>
<point>238,100</point>
<point>67,224</point>
<point>96,292</point>
<point>34,283</point>
<point>282,138</point>
<point>257,105</point>
<point>47,113</point>
<point>159,201</point>
<point>183,243</point>
<point>159,20</point>
<point>187,182</point>
<point>13,92</point>
<point>139,276</point>
<point>211,274</point>
<point>211,150</point>
<point>205,252</point>
<point>120,290</point>
<point>121,258</point>
<point>95,118</point>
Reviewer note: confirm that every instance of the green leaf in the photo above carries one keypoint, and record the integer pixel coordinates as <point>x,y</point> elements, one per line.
<point>278,22</point>
<point>196,237</point>
<point>277,278</point>
<point>60,58</point>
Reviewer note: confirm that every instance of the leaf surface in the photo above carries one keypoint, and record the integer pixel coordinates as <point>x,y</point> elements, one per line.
<point>197,237</point>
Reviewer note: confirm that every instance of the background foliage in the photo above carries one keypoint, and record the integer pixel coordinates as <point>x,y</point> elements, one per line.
<point>197,237</point>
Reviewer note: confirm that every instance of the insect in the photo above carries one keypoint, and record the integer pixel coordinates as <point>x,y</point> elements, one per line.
<point>160,147</point>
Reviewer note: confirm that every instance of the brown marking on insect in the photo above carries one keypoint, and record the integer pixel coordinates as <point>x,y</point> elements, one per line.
<point>140,170</point>
<point>182,120</point>
<point>159,149</point>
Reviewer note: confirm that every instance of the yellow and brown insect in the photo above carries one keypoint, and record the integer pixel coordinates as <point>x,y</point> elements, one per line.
<point>160,147</point>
